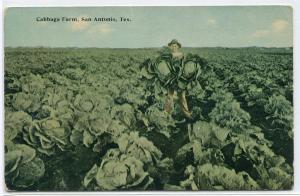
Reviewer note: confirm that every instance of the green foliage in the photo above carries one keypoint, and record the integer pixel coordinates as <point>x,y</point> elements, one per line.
<point>174,73</point>
<point>93,119</point>
<point>139,147</point>
<point>160,121</point>
<point>22,167</point>
<point>212,177</point>
<point>119,171</point>
<point>47,135</point>
<point>14,124</point>
<point>228,113</point>
<point>26,102</point>
<point>280,111</point>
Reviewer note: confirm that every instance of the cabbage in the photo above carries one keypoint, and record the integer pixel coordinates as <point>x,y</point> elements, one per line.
<point>14,124</point>
<point>212,177</point>
<point>33,84</point>
<point>160,68</point>
<point>26,102</point>
<point>280,111</point>
<point>22,167</point>
<point>173,73</point>
<point>29,173</point>
<point>118,172</point>
<point>47,135</point>
<point>73,74</point>
<point>139,147</point>
<point>12,160</point>
<point>189,69</point>
<point>163,68</point>
<point>124,113</point>
<point>159,121</point>
<point>88,101</point>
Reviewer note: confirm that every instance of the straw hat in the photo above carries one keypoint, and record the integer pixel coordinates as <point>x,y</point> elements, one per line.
<point>174,41</point>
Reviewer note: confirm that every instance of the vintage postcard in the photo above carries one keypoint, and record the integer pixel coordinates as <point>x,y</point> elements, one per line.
<point>185,98</point>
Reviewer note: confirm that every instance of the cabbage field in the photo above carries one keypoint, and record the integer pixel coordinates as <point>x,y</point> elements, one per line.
<point>87,119</point>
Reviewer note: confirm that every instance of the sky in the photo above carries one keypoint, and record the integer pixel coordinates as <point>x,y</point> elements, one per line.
<point>225,26</point>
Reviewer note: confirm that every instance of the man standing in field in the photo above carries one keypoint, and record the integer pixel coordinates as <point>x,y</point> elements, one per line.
<point>174,46</point>
<point>172,71</point>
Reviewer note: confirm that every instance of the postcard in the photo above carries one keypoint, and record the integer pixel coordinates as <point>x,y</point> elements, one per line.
<point>141,98</point>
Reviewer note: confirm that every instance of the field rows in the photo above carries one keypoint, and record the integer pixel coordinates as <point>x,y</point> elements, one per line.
<point>89,117</point>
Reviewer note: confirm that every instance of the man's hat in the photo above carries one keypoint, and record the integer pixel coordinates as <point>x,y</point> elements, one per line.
<point>174,41</point>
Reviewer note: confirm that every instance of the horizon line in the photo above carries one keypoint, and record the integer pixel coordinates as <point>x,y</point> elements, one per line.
<point>152,47</point>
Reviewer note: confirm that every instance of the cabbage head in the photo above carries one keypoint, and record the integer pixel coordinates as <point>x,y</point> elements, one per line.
<point>89,101</point>
<point>124,113</point>
<point>47,135</point>
<point>26,102</point>
<point>139,147</point>
<point>161,69</point>
<point>179,74</point>
<point>14,124</point>
<point>212,177</point>
<point>159,121</point>
<point>118,171</point>
<point>22,167</point>
<point>34,84</point>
